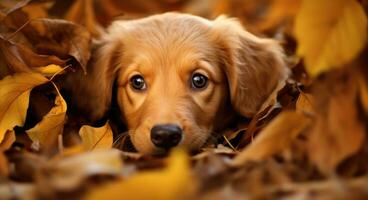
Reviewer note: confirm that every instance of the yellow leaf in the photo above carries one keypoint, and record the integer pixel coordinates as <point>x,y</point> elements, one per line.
<point>49,70</point>
<point>14,93</point>
<point>96,138</point>
<point>329,33</point>
<point>8,140</point>
<point>173,182</point>
<point>274,138</point>
<point>46,132</point>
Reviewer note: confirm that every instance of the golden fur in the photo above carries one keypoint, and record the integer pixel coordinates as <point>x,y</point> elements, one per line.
<point>166,50</point>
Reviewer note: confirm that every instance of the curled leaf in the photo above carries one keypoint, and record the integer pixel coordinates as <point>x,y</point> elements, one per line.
<point>60,38</point>
<point>20,58</point>
<point>96,138</point>
<point>46,132</point>
<point>15,91</point>
<point>277,136</point>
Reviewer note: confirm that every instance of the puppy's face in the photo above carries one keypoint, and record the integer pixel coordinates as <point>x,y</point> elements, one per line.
<point>170,86</point>
<point>178,76</point>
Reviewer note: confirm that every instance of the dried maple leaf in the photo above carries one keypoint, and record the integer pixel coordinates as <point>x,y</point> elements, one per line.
<point>96,138</point>
<point>47,131</point>
<point>330,33</point>
<point>15,91</point>
<point>173,182</point>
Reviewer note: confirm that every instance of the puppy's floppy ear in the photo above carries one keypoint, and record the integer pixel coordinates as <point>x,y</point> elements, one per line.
<point>254,66</point>
<point>91,93</point>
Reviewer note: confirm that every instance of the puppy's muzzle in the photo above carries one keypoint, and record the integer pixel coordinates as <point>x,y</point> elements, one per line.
<point>166,136</point>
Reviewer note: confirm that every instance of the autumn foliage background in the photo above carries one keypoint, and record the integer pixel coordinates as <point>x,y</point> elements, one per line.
<point>309,141</point>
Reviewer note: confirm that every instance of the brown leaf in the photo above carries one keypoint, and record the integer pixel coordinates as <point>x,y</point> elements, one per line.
<point>275,137</point>
<point>338,132</point>
<point>305,103</point>
<point>60,38</point>
<point>20,58</point>
<point>7,7</point>
<point>69,172</point>
<point>82,12</point>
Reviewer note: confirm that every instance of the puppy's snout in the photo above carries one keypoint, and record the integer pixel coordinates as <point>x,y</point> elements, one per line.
<point>166,135</point>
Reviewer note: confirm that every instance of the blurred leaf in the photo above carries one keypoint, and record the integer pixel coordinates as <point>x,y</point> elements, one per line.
<point>4,166</point>
<point>279,12</point>
<point>20,58</point>
<point>275,137</point>
<point>305,103</point>
<point>173,182</point>
<point>96,138</point>
<point>82,12</point>
<point>8,140</point>
<point>338,131</point>
<point>15,190</point>
<point>69,172</point>
<point>7,7</point>
<point>46,132</point>
<point>363,86</point>
<point>14,93</point>
<point>330,33</point>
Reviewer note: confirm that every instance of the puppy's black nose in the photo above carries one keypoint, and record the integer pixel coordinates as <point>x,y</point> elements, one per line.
<point>166,135</point>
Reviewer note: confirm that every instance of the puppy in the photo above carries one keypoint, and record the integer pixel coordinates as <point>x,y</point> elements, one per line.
<point>179,78</point>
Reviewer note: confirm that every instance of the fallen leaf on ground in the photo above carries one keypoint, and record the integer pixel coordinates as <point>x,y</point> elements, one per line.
<point>14,93</point>
<point>69,172</point>
<point>96,138</point>
<point>330,33</point>
<point>173,182</point>
<point>47,131</point>
<point>275,137</point>
<point>15,190</point>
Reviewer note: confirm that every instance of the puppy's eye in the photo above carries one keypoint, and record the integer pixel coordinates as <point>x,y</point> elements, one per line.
<point>199,81</point>
<point>138,83</point>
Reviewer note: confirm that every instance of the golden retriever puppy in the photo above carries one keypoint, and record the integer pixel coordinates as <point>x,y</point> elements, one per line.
<point>179,78</point>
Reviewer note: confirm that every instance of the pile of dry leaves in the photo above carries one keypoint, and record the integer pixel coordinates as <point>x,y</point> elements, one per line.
<point>309,144</point>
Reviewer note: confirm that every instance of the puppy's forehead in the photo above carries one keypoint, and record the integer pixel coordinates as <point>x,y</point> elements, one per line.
<point>169,36</point>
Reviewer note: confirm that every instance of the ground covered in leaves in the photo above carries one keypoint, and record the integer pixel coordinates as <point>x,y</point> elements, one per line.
<point>309,141</point>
